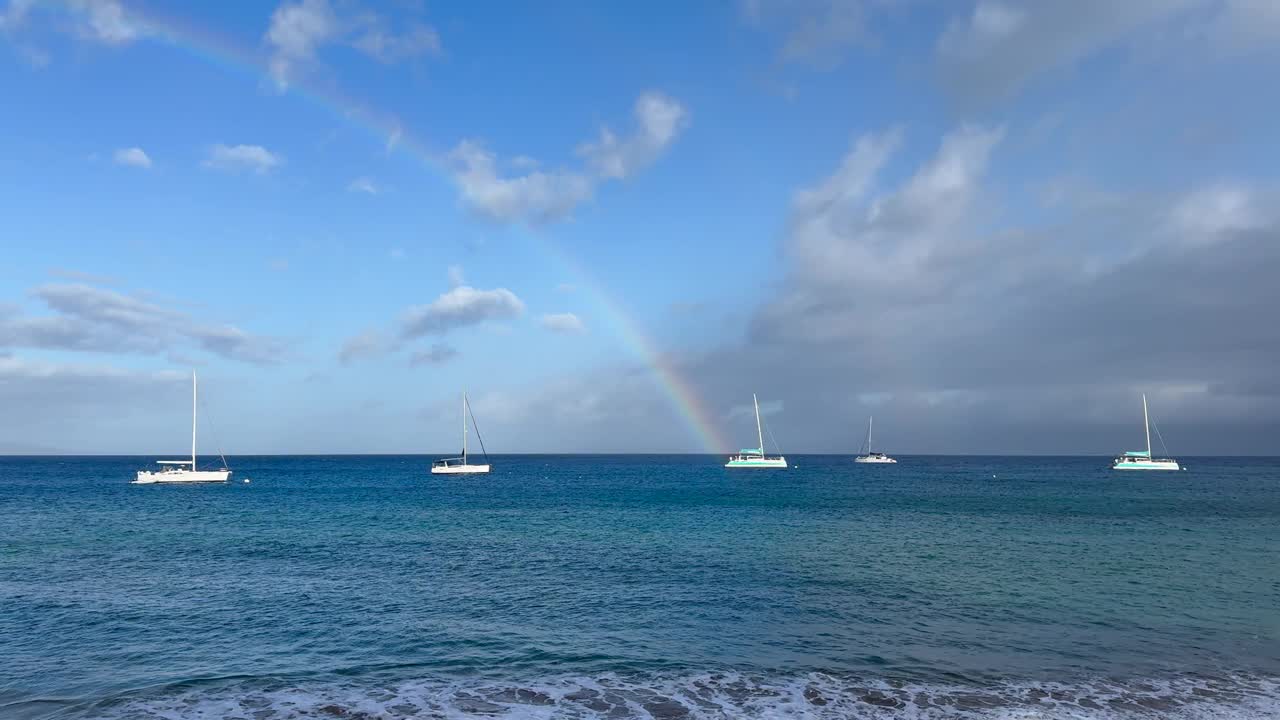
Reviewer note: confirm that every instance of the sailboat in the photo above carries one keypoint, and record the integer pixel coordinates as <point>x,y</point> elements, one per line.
<point>1141,459</point>
<point>873,457</point>
<point>755,457</point>
<point>459,465</point>
<point>173,471</point>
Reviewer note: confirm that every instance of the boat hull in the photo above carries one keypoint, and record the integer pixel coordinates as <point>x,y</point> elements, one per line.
<point>459,470</point>
<point>181,477</point>
<point>1146,465</point>
<point>758,463</point>
<point>875,460</point>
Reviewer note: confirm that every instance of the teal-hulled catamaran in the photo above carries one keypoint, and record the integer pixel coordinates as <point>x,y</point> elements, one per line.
<point>755,457</point>
<point>1142,459</point>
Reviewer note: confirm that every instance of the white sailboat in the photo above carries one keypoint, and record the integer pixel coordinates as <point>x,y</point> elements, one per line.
<point>459,465</point>
<point>1141,459</point>
<point>755,457</point>
<point>873,457</point>
<point>173,471</point>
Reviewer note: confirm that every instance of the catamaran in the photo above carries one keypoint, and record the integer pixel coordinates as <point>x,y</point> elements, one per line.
<point>1141,459</point>
<point>459,465</point>
<point>173,470</point>
<point>755,457</point>
<point>873,457</point>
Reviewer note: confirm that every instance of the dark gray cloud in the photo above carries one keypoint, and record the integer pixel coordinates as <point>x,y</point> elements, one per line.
<point>92,319</point>
<point>966,329</point>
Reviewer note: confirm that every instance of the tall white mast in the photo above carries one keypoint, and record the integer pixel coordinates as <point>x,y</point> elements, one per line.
<point>759,432</point>
<point>193,420</point>
<point>464,427</point>
<point>1146,424</point>
<point>870,419</point>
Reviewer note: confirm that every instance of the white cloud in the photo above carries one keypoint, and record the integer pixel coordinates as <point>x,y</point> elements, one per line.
<point>300,29</point>
<point>460,307</point>
<point>659,119</point>
<point>1217,212</point>
<point>100,21</point>
<point>564,323</point>
<point>235,158</point>
<point>133,157</point>
<point>108,22</point>
<point>842,236</point>
<point>296,31</point>
<point>538,196</point>
<point>364,185</point>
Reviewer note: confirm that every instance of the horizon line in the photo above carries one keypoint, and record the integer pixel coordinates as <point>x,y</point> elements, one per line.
<point>601,454</point>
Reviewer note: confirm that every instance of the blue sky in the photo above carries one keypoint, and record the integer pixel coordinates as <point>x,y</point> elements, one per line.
<point>342,213</point>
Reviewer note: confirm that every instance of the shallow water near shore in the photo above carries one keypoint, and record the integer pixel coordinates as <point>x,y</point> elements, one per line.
<point>641,586</point>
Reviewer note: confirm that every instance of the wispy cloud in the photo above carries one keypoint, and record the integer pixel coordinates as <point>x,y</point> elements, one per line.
<point>564,323</point>
<point>437,354</point>
<point>132,157</point>
<point>91,319</point>
<point>300,29</point>
<point>659,119</point>
<point>535,198</point>
<point>242,158</point>
<point>363,185</point>
<point>815,32</point>
<point>1001,45</point>
<point>539,197</point>
<point>107,22</point>
<point>460,307</point>
<point>365,345</point>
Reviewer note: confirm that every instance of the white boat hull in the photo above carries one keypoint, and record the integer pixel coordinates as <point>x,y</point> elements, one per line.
<point>146,477</point>
<point>778,462</point>
<point>459,469</point>
<point>875,460</point>
<point>1146,465</point>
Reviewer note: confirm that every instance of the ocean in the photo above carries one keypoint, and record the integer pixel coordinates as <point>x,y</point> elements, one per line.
<point>582,586</point>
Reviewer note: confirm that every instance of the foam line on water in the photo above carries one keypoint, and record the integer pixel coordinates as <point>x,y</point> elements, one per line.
<point>707,695</point>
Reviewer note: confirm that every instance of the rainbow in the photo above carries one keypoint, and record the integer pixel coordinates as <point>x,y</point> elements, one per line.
<point>683,397</point>
<point>214,49</point>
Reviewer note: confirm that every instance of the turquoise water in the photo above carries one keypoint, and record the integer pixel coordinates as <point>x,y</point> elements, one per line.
<point>641,586</point>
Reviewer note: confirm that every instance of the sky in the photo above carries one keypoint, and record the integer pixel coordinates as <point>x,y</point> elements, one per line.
<point>993,225</point>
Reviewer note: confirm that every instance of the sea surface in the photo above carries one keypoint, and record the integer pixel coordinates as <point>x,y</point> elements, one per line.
<point>641,586</point>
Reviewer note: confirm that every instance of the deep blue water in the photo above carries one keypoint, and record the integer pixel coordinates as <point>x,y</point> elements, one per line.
<point>635,586</point>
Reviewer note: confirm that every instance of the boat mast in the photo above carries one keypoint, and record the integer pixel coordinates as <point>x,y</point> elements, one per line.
<point>1146,424</point>
<point>759,432</point>
<point>464,427</point>
<point>870,419</point>
<point>193,421</point>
